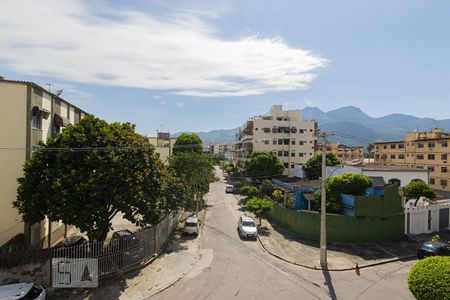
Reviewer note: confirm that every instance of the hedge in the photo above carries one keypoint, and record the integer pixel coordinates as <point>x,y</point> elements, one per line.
<point>430,278</point>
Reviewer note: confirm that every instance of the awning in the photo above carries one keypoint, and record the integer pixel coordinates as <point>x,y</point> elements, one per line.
<point>308,196</point>
<point>279,187</point>
<point>60,120</point>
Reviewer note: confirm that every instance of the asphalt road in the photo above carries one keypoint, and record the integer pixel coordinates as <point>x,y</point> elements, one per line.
<point>231,268</point>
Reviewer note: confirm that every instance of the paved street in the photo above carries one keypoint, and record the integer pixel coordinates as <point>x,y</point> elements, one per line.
<point>233,268</point>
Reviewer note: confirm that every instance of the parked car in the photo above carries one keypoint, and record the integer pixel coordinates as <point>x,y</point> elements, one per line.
<point>229,189</point>
<point>433,249</point>
<point>72,247</point>
<point>128,245</point>
<point>247,228</point>
<point>191,226</point>
<point>26,291</point>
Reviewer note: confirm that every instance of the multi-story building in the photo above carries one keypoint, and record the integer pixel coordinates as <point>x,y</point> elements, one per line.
<point>29,114</point>
<point>422,150</point>
<point>346,153</point>
<point>163,145</point>
<point>226,149</point>
<point>284,133</point>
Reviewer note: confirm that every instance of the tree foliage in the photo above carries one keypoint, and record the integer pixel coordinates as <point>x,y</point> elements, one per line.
<point>188,142</point>
<point>430,278</point>
<point>250,191</point>
<point>267,187</point>
<point>349,183</point>
<point>263,164</point>
<point>312,168</point>
<point>218,158</point>
<point>418,188</point>
<point>195,170</point>
<point>277,195</point>
<point>99,170</point>
<point>259,206</point>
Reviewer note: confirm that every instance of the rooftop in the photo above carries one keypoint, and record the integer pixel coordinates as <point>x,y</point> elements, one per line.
<point>377,167</point>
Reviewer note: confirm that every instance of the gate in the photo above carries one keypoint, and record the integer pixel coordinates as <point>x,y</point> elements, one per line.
<point>444,215</point>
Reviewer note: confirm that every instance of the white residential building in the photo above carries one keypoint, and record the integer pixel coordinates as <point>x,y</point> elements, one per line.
<point>283,132</point>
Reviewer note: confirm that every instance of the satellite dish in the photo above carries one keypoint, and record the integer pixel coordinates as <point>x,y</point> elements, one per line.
<point>59,92</point>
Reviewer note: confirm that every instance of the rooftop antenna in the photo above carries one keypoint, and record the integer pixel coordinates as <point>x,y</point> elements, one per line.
<point>49,87</point>
<point>59,92</point>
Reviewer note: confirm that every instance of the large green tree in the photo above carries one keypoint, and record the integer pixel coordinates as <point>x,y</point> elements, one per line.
<point>418,188</point>
<point>188,142</point>
<point>313,166</point>
<point>195,170</point>
<point>259,206</point>
<point>89,173</point>
<point>263,164</point>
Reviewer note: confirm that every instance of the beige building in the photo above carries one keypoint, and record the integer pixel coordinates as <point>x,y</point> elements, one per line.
<point>422,150</point>
<point>29,114</point>
<point>163,145</point>
<point>346,153</point>
<point>283,132</point>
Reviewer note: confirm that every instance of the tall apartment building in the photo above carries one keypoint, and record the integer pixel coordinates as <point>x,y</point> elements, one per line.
<point>346,153</point>
<point>422,150</point>
<point>283,132</point>
<point>163,145</point>
<point>29,114</point>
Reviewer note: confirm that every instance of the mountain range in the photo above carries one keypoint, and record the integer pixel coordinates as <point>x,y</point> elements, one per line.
<point>350,125</point>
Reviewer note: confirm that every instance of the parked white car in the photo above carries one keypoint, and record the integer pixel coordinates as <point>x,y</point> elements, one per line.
<point>191,226</point>
<point>247,228</point>
<point>31,291</point>
<point>229,189</point>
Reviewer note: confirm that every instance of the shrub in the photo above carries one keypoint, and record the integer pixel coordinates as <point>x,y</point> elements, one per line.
<point>259,206</point>
<point>430,278</point>
<point>250,191</point>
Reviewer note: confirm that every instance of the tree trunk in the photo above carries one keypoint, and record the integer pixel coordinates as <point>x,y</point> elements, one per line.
<point>417,200</point>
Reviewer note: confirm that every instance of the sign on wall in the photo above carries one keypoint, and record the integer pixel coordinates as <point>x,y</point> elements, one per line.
<point>74,272</point>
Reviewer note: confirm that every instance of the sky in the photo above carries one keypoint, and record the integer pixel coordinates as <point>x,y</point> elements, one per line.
<point>203,65</point>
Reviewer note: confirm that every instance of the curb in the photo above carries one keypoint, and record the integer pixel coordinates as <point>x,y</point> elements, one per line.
<point>408,257</point>
<point>194,261</point>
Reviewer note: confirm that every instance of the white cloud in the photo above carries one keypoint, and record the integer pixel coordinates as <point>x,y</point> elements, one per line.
<point>157,97</point>
<point>179,104</point>
<point>180,52</point>
<point>308,102</point>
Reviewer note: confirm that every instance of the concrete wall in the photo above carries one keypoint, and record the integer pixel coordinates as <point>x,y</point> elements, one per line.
<point>13,124</point>
<point>424,219</point>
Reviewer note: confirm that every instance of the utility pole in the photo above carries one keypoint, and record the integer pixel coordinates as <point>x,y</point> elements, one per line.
<point>323,206</point>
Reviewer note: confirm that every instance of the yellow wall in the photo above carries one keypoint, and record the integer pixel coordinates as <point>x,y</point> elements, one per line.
<point>13,101</point>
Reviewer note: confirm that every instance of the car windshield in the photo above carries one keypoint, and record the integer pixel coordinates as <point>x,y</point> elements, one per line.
<point>248,224</point>
<point>191,224</point>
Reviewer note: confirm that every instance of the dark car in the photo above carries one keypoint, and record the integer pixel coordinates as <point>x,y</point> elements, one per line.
<point>433,249</point>
<point>128,246</point>
<point>72,247</point>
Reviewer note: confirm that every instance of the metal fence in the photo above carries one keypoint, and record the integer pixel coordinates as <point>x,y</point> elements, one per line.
<point>123,253</point>
<point>120,254</point>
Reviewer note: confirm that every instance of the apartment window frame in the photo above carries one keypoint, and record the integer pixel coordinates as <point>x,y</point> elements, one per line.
<point>392,156</point>
<point>431,144</point>
<point>431,168</point>
<point>444,144</point>
<point>431,156</point>
<point>280,153</point>
<point>401,146</point>
<point>401,156</point>
<point>432,180</point>
<point>444,169</point>
<point>393,146</point>
<point>444,156</point>
<point>420,145</point>
<point>443,182</point>
<point>420,156</point>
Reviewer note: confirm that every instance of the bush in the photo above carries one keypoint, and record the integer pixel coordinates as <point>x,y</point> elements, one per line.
<point>250,191</point>
<point>259,206</point>
<point>430,278</point>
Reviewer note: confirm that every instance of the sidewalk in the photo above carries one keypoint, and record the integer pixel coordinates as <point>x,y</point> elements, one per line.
<point>176,260</point>
<point>306,252</point>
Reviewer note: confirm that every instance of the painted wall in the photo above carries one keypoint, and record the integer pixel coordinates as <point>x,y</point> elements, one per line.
<point>418,217</point>
<point>13,121</point>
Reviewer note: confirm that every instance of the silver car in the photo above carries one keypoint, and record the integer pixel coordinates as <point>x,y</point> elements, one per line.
<point>247,228</point>
<point>191,226</point>
<point>31,291</point>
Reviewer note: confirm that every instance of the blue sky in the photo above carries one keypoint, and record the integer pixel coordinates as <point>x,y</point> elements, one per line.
<point>203,65</point>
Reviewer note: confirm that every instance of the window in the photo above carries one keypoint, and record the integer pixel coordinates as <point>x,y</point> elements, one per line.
<point>443,169</point>
<point>36,119</point>
<point>444,156</point>
<point>431,156</point>
<point>419,156</point>
<point>431,145</point>
<point>444,144</point>
<point>280,153</point>
<point>256,129</point>
<point>286,165</point>
<point>401,146</point>
<point>392,146</point>
<point>292,166</point>
<point>431,168</point>
<point>392,156</point>
<point>292,154</point>
<point>444,182</point>
<point>266,142</point>
<point>432,181</point>
<point>300,131</point>
<point>384,146</point>
<point>280,141</point>
<point>419,167</point>
<point>286,141</point>
<point>274,141</point>
<point>300,143</point>
<point>286,153</point>
<point>401,156</point>
<point>300,155</point>
<point>419,145</point>
<point>293,142</point>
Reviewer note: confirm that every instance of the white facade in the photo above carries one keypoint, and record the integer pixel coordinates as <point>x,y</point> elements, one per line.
<point>284,133</point>
<point>426,217</point>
